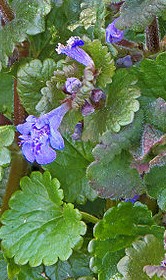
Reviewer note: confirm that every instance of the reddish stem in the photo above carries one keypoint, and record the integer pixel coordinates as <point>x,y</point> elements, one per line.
<point>152,37</point>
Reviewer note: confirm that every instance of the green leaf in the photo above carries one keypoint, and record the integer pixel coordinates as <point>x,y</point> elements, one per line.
<point>149,250</point>
<point>120,107</point>
<point>70,169</point>
<point>155,182</point>
<point>37,226</point>
<point>103,62</point>
<point>76,266</point>
<point>151,78</point>
<point>6,94</point>
<point>31,79</point>
<point>137,14</point>
<point>4,156</point>
<point>155,114</point>
<point>117,178</point>
<point>3,267</point>
<point>29,19</point>
<point>30,273</point>
<point>112,235</point>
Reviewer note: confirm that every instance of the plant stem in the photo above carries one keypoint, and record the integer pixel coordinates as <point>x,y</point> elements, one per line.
<point>152,37</point>
<point>18,168</point>
<point>7,12</point>
<point>89,218</point>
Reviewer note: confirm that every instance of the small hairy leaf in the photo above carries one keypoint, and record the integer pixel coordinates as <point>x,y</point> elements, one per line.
<point>103,62</point>
<point>29,19</point>
<point>6,139</point>
<point>113,235</point>
<point>31,78</point>
<point>151,78</point>
<point>70,169</point>
<point>149,250</point>
<point>137,14</point>
<point>39,227</point>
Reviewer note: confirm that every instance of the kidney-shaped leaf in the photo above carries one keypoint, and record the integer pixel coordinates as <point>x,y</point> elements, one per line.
<point>39,227</point>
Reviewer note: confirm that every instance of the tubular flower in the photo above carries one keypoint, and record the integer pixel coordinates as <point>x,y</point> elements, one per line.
<point>113,34</point>
<point>74,51</point>
<point>40,136</point>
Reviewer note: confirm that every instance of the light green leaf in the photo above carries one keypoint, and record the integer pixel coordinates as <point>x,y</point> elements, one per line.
<point>29,19</point>
<point>6,135</point>
<point>39,227</point>
<point>31,79</point>
<point>70,169</point>
<point>151,78</point>
<point>121,105</point>
<point>4,156</point>
<point>112,235</point>
<point>137,14</point>
<point>6,94</point>
<point>149,250</point>
<point>103,60</point>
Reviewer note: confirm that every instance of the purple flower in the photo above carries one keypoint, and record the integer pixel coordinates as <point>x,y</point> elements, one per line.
<point>133,199</point>
<point>72,50</point>
<point>113,35</point>
<point>87,109</point>
<point>124,62</point>
<point>72,85</point>
<point>77,131</point>
<point>40,136</point>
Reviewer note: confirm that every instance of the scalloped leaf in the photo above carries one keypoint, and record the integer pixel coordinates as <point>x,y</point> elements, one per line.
<point>151,78</point>
<point>155,114</point>
<point>155,181</point>
<point>137,14</point>
<point>110,157</point>
<point>76,266</point>
<point>103,60</point>
<point>30,231</point>
<point>70,169</point>
<point>31,78</point>
<point>149,250</point>
<point>29,19</point>
<point>121,105</point>
<point>112,235</point>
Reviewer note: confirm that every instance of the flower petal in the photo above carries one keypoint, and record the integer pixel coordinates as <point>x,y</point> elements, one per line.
<point>28,151</point>
<point>55,116</point>
<point>24,128</point>
<point>113,34</point>
<point>56,140</point>
<point>46,154</point>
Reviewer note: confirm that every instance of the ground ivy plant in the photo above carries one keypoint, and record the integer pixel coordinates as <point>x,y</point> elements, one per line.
<point>82,139</point>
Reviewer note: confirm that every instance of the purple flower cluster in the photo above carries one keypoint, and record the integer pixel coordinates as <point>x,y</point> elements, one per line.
<point>73,50</point>
<point>40,136</point>
<point>113,34</point>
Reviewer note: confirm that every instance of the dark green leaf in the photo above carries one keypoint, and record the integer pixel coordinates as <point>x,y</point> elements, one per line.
<point>151,78</point>
<point>149,250</point>
<point>36,228</point>
<point>3,267</point>
<point>6,94</point>
<point>32,78</point>
<point>70,169</point>
<point>29,19</point>
<point>120,107</point>
<point>137,14</point>
<point>120,226</point>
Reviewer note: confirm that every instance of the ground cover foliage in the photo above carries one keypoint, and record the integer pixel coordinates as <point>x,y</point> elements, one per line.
<point>82,139</point>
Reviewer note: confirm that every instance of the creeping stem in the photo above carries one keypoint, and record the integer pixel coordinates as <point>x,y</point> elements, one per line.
<point>6,11</point>
<point>152,37</point>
